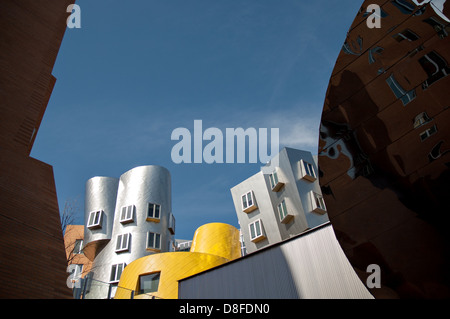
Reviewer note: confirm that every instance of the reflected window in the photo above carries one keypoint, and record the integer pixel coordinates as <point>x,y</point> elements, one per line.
<point>406,35</point>
<point>399,92</point>
<point>404,6</point>
<point>440,28</point>
<point>435,66</point>
<point>421,119</point>
<point>427,133</point>
<point>149,283</point>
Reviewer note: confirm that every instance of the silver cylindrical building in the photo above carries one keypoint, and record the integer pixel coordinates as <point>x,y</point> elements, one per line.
<point>141,223</point>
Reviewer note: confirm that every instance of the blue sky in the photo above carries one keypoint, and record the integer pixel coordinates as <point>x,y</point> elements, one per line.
<point>136,70</point>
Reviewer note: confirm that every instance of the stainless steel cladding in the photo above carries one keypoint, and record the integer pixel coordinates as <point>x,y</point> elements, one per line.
<point>126,219</point>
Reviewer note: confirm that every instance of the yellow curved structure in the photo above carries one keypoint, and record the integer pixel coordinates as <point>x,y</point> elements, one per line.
<point>213,245</point>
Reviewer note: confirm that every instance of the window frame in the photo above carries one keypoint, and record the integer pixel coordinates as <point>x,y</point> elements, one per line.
<point>115,271</point>
<point>274,181</point>
<point>283,212</point>
<point>256,237</point>
<point>156,239</point>
<point>99,218</point>
<point>152,217</point>
<point>128,209</point>
<point>315,198</point>
<point>306,168</point>
<point>119,239</point>
<point>154,274</point>
<point>248,208</point>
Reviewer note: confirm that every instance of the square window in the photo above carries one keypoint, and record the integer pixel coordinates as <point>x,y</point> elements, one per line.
<point>95,220</point>
<point>123,242</point>
<point>154,212</point>
<point>116,272</point>
<point>248,202</point>
<point>256,231</point>
<point>153,241</point>
<point>127,214</point>
<point>307,171</point>
<point>149,283</point>
<point>318,203</point>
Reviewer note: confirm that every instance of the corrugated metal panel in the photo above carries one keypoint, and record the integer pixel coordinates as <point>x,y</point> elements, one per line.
<point>308,266</point>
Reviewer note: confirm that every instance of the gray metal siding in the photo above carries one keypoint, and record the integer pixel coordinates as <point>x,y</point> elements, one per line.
<point>309,266</point>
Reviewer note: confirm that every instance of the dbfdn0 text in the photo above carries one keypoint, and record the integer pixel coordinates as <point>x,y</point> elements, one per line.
<point>246,308</point>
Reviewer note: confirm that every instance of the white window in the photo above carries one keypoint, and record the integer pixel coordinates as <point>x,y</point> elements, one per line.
<point>248,202</point>
<point>427,133</point>
<point>172,224</point>
<point>116,272</point>
<point>318,203</point>
<point>123,242</point>
<point>153,241</point>
<point>275,184</point>
<point>283,212</point>
<point>256,231</point>
<point>154,212</point>
<point>95,219</point>
<point>307,171</point>
<point>127,214</point>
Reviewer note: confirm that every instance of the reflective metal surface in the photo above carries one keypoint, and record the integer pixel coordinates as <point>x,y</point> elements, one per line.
<point>384,147</point>
<point>139,187</point>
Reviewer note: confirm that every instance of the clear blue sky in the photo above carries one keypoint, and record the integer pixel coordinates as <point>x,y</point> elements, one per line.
<point>136,70</point>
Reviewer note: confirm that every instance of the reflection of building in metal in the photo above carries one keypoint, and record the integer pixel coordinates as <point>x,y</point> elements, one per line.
<point>157,276</point>
<point>274,207</point>
<point>309,265</point>
<point>32,256</point>
<point>125,219</point>
<point>383,149</point>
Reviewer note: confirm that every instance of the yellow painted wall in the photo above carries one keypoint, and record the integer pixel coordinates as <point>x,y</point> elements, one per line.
<point>213,245</point>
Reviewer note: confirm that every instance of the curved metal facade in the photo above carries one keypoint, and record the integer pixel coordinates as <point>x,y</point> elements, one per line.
<point>128,218</point>
<point>384,147</point>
